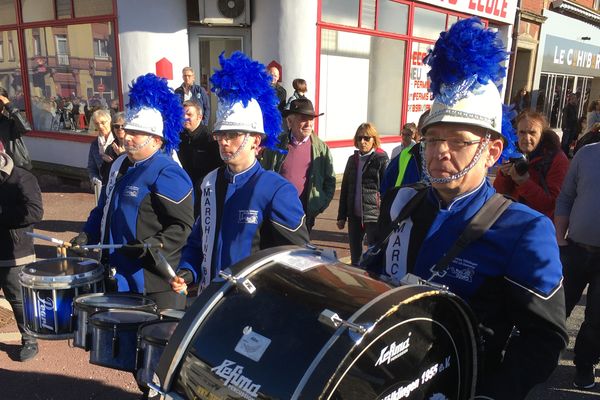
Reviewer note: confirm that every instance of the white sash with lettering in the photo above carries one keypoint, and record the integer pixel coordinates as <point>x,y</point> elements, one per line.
<point>110,186</point>
<point>208,222</point>
<point>396,252</point>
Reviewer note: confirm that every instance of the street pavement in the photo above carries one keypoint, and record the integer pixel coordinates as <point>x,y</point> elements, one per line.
<point>61,372</point>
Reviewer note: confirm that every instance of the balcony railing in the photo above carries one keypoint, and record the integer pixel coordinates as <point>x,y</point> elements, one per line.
<point>62,59</point>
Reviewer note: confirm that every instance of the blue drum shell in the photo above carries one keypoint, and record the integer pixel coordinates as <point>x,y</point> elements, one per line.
<point>114,337</point>
<point>152,339</point>
<point>84,306</point>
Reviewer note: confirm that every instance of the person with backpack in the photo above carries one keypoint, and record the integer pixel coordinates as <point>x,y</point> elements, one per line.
<point>510,272</point>
<point>536,179</point>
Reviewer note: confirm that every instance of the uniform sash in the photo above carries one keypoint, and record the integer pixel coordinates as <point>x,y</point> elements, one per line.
<point>208,221</point>
<point>109,190</point>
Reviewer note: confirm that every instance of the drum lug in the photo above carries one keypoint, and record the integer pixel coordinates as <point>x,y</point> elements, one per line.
<point>333,320</point>
<point>243,283</point>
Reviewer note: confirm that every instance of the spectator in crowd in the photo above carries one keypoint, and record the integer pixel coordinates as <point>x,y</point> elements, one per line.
<point>536,179</point>
<point>359,196</point>
<point>593,114</point>
<point>116,148</point>
<point>408,134</point>
<point>243,207</point>
<point>307,164</point>
<point>593,136</point>
<point>511,275</point>
<point>194,92</point>
<point>101,126</point>
<point>570,125</point>
<point>114,108</point>
<point>577,223</point>
<point>279,90</point>
<point>198,152</point>
<point>300,90</point>
<point>20,209</point>
<point>522,100</point>
<point>148,200</point>
<point>406,167</point>
<point>12,128</point>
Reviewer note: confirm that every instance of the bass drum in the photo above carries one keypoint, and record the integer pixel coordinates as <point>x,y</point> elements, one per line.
<point>294,323</point>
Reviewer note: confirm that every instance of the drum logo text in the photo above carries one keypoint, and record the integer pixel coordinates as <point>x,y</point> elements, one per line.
<point>45,305</point>
<point>393,351</point>
<point>235,381</point>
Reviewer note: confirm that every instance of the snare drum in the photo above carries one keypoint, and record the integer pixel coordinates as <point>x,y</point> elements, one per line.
<point>114,337</point>
<point>152,339</point>
<point>87,304</point>
<point>292,323</point>
<point>49,288</point>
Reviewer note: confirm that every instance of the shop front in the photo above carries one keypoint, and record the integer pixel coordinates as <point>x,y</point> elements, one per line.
<point>570,64</point>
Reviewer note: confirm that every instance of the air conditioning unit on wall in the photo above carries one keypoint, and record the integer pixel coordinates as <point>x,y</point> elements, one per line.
<point>224,12</point>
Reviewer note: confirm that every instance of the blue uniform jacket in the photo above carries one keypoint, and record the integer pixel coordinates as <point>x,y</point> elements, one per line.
<point>152,201</point>
<point>511,276</point>
<point>256,209</point>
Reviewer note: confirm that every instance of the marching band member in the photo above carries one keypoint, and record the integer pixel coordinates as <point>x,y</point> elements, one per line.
<point>244,208</point>
<point>148,198</point>
<point>511,276</point>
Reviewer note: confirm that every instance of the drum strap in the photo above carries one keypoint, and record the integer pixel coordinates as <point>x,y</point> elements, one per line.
<point>479,224</point>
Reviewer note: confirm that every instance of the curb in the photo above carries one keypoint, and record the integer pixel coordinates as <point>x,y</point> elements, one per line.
<point>8,336</point>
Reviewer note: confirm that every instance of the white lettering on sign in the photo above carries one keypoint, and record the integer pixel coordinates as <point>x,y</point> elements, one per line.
<point>499,10</point>
<point>576,58</point>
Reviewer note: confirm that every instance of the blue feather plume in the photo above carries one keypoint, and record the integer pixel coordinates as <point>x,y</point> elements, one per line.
<point>151,91</point>
<point>463,58</point>
<point>510,146</point>
<point>242,79</point>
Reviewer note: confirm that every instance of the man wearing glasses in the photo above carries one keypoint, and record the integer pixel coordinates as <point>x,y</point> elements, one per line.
<point>243,207</point>
<point>511,276</point>
<point>190,91</point>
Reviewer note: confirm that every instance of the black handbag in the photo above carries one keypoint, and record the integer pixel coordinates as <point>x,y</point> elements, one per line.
<point>17,150</point>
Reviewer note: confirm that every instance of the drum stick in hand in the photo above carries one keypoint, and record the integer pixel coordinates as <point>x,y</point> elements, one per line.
<point>163,266</point>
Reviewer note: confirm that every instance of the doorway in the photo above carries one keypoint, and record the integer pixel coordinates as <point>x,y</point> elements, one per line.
<point>206,44</point>
<point>554,90</point>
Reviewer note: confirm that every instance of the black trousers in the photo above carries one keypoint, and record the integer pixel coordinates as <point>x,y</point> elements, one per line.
<point>580,268</point>
<point>356,234</point>
<point>9,281</point>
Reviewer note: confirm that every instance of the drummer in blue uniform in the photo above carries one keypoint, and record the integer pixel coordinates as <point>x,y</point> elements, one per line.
<point>148,199</point>
<point>511,275</point>
<point>244,208</point>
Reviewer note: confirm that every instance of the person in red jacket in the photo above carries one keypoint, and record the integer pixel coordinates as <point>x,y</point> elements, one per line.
<point>535,180</point>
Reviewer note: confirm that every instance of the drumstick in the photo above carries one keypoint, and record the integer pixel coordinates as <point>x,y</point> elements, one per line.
<point>49,239</point>
<point>162,261</point>
<point>118,246</point>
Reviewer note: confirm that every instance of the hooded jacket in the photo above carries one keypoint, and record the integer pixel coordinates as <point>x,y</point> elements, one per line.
<point>20,208</point>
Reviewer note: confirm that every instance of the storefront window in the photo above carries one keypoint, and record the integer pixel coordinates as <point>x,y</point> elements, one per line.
<point>361,79</point>
<point>452,19</point>
<point>71,73</point>
<point>7,12</point>
<point>428,23</point>
<point>37,10</point>
<point>367,14</point>
<point>10,69</point>
<point>342,12</point>
<point>419,98</point>
<point>89,8</point>
<point>392,17</point>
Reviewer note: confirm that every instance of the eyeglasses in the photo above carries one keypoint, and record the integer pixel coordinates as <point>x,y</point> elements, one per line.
<point>453,144</point>
<point>365,138</point>
<point>230,135</point>
<point>102,122</point>
<point>118,126</point>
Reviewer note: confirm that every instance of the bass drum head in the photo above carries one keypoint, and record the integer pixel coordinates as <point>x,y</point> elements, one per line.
<point>280,341</point>
<point>424,348</point>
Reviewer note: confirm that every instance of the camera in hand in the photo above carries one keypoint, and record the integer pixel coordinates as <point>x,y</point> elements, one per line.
<point>521,164</point>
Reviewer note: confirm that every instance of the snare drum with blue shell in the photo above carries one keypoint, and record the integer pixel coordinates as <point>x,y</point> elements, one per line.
<point>152,339</point>
<point>114,337</point>
<point>49,288</point>
<point>87,304</point>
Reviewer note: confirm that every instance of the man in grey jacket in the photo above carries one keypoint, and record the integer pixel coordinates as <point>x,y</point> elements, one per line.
<point>577,224</point>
